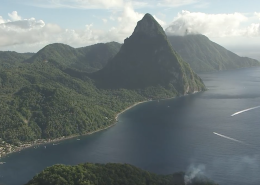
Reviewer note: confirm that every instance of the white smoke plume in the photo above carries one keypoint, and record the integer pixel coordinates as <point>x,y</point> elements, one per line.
<point>194,172</point>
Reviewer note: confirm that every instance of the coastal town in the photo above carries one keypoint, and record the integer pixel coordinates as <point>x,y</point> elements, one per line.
<point>7,148</point>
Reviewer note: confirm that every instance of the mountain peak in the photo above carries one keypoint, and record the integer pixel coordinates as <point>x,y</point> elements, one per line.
<point>149,26</point>
<point>145,60</point>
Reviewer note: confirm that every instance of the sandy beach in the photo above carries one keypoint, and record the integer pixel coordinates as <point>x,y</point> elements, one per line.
<point>137,103</point>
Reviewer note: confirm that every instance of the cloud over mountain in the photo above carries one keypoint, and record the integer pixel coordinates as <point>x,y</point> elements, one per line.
<point>32,33</point>
<point>213,25</point>
<point>208,24</point>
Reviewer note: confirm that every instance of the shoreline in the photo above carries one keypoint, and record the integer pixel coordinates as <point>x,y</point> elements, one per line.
<point>39,142</point>
<point>131,106</point>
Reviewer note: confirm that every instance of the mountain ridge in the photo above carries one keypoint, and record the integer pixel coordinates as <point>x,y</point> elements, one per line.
<point>204,55</point>
<point>86,59</point>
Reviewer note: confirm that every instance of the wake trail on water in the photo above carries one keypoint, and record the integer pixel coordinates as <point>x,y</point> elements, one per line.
<point>239,112</point>
<point>230,138</point>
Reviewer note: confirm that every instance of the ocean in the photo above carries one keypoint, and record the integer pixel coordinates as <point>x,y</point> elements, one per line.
<point>215,133</point>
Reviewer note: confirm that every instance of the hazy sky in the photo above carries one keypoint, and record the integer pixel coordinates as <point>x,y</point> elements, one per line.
<point>29,25</point>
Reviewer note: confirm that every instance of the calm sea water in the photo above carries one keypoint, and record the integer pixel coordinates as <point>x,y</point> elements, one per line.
<point>170,136</point>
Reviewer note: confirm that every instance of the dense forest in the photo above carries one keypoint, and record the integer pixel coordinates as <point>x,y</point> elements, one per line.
<point>51,94</point>
<point>39,101</point>
<point>110,174</point>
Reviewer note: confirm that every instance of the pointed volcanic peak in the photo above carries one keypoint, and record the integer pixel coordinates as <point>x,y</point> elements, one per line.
<point>147,59</point>
<point>204,55</point>
<point>149,26</point>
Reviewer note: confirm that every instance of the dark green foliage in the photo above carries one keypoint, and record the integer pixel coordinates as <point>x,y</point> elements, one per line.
<point>51,95</point>
<point>205,55</point>
<point>10,58</point>
<point>106,174</point>
<point>40,101</point>
<point>146,59</point>
<point>89,59</point>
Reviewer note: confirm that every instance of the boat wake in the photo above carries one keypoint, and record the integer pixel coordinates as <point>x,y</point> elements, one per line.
<point>230,138</point>
<point>239,112</point>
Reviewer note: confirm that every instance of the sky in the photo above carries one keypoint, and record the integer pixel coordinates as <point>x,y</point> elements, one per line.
<point>29,25</point>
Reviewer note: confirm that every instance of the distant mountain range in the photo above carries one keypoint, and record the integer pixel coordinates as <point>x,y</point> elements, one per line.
<point>205,55</point>
<point>197,50</point>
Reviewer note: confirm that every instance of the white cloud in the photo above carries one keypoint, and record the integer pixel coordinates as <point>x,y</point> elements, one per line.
<point>79,4</point>
<point>28,33</point>
<point>126,20</point>
<point>14,16</point>
<point>23,32</point>
<point>253,30</point>
<point>212,25</point>
<point>40,34</point>
<point>2,20</point>
<point>161,22</point>
<point>79,38</point>
<point>237,32</point>
<point>23,24</point>
<point>257,14</point>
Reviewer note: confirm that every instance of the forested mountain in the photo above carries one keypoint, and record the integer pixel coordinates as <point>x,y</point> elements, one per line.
<point>109,174</point>
<point>90,58</point>
<point>47,97</point>
<point>11,58</point>
<point>146,59</point>
<point>40,101</point>
<point>205,55</point>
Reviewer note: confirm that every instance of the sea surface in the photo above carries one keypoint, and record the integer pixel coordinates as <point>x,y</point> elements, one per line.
<point>189,133</point>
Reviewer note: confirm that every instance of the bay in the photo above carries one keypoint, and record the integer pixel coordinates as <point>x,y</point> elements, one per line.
<point>182,134</point>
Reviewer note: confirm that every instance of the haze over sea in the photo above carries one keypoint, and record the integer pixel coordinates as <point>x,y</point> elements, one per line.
<point>195,131</point>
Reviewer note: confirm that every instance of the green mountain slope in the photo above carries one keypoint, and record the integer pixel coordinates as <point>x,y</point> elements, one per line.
<point>146,59</point>
<point>47,99</point>
<point>89,58</point>
<point>11,58</point>
<point>40,101</point>
<point>205,55</point>
<point>109,174</point>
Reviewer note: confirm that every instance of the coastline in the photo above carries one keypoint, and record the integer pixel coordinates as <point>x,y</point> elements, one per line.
<point>39,142</point>
<point>131,106</point>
